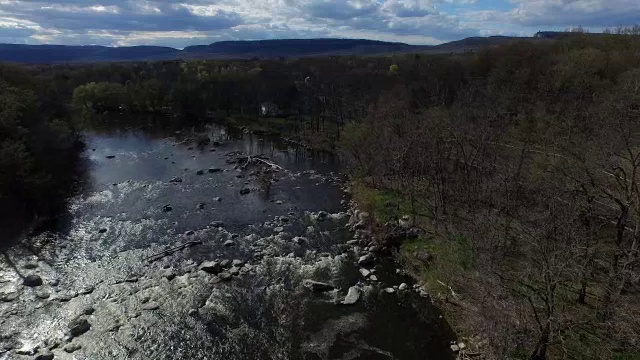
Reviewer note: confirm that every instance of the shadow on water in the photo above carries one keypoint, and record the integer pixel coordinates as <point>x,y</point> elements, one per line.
<point>18,223</point>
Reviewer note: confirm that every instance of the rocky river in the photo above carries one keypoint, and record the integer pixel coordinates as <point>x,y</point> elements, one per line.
<point>232,247</point>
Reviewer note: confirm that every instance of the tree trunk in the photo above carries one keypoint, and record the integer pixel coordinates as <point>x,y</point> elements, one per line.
<point>582,296</point>
<point>540,353</point>
<point>612,291</point>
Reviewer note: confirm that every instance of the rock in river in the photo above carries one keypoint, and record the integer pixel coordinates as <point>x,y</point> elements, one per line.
<point>32,280</point>
<point>238,263</point>
<point>217,224</point>
<point>352,296</point>
<point>229,243</point>
<point>322,215</point>
<point>368,259</point>
<point>89,310</point>
<point>150,306</point>
<point>86,290</point>
<point>44,356</point>
<point>244,191</point>
<point>211,267</point>
<point>31,265</point>
<point>225,276</point>
<point>317,286</point>
<point>176,180</point>
<point>79,327</point>
<point>72,347</point>
<point>43,294</point>
<point>9,297</point>
<point>365,273</point>
<point>167,208</point>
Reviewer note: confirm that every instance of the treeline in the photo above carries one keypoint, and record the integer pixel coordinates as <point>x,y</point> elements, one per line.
<point>525,173</point>
<point>39,151</point>
<point>319,96</point>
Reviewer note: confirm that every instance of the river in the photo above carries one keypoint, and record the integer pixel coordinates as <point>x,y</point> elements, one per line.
<point>117,261</point>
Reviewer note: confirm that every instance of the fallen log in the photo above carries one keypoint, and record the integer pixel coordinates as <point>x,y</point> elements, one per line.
<point>249,159</point>
<point>301,144</point>
<point>272,164</point>
<point>167,252</point>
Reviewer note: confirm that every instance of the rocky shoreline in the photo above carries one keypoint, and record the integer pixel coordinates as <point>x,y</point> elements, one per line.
<point>373,240</point>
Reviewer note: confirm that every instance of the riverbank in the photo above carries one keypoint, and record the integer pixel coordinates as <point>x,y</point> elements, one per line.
<point>475,294</point>
<point>440,263</point>
<point>295,131</point>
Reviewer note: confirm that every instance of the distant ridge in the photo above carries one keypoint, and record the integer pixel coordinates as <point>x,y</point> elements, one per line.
<point>40,54</point>
<point>288,48</point>
<point>300,48</point>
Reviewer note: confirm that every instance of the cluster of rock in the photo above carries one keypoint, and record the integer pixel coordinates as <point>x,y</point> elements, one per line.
<point>225,270</point>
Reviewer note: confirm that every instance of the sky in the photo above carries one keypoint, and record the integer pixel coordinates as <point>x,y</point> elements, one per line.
<point>180,23</point>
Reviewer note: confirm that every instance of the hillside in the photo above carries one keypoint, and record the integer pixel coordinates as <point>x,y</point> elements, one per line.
<point>290,48</point>
<point>38,54</point>
<point>298,48</point>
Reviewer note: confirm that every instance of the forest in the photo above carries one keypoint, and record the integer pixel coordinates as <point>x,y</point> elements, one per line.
<point>520,163</point>
<point>39,152</point>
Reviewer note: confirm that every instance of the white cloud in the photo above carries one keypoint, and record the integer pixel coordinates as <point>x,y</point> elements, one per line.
<point>185,22</point>
<point>594,13</point>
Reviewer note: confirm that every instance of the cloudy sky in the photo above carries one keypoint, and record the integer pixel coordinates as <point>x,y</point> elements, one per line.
<point>179,23</point>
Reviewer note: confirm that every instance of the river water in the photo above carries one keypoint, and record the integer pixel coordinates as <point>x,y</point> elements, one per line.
<point>117,260</point>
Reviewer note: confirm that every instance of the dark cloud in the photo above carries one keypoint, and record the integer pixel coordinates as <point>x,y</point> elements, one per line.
<point>121,16</point>
<point>15,34</point>
<point>340,10</point>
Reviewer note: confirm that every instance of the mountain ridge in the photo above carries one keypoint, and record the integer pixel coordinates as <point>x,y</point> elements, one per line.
<point>244,49</point>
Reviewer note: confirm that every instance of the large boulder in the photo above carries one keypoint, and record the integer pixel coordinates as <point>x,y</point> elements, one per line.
<point>365,273</point>
<point>366,260</point>
<point>225,276</point>
<point>211,267</point>
<point>79,327</point>
<point>217,224</point>
<point>203,140</point>
<point>317,286</point>
<point>352,296</point>
<point>322,215</point>
<point>44,356</point>
<point>32,281</point>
